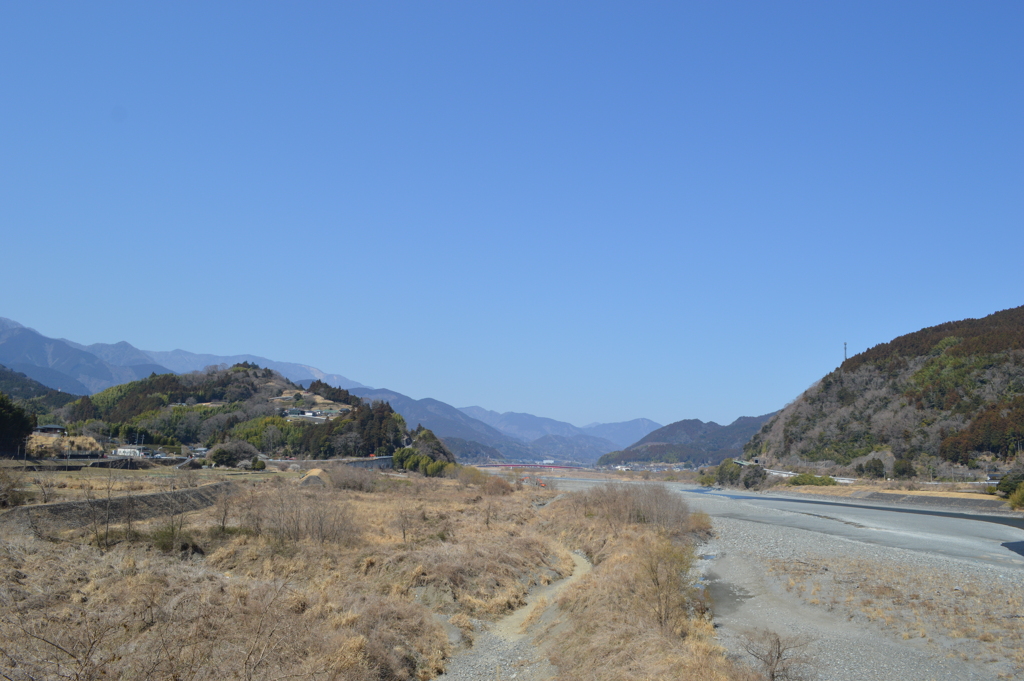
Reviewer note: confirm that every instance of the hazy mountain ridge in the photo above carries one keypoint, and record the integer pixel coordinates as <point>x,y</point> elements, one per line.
<point>622,433</point>
<point>475,439</point>
<point>525,427</point>
<point>448,422</point>
<point>530,428</point>
<point>953,391</point>
<point>65,365</point>
<point>583,448</point>
<point>122,354</point>
<point>182,361</point>
<point>37,356</point>
<point>690,440</point>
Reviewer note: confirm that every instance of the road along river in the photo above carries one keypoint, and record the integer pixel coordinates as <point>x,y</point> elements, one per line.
<point>996,540</point>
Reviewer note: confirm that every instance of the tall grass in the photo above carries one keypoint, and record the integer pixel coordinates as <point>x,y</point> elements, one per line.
<point>638,614</point>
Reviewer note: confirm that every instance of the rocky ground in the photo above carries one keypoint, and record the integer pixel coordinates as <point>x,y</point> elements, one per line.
<point>862,607</point>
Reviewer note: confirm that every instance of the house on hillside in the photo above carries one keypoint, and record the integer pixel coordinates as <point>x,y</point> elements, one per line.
<point>51,429</point>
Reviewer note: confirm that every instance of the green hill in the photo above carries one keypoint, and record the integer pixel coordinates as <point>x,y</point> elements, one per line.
<point>689,440</point>
<point>30,394</point>
<point>241,403</point>
<point>953,391</point>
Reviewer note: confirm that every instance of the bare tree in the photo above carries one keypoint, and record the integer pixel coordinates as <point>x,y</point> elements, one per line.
<point>46,485</point>
<point>404,518</point>
<point>780,658</point>
<point>223,506</point>
<point>665,582</point>
<point>271,437</point>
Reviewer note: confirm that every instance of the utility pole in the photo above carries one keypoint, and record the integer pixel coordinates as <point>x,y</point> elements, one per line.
<point>844,351</point>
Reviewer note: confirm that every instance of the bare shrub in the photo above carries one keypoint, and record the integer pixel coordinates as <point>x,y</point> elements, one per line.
<point>46,485</point>
<point>314,515</point>
<point>779,658</point>
<point>185,479</point>
<point>223,507</point>
<point>468,475</point>
<point>404,518</point>
<point>496,486</point>
<point>351,477</point>
<point>10,489</point>
<point>664,582</point>
<point>621,504</point>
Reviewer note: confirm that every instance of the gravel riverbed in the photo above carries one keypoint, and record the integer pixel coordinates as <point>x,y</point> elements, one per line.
<point>846,643</point>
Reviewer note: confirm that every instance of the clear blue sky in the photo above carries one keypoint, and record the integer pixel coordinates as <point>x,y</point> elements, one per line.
<point>588,211</point>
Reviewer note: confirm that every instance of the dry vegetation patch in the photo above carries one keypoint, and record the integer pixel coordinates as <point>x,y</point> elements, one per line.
<point>343,582</point>
<point>982,616</point>
<point>638,614</point>
<point>274,581</point>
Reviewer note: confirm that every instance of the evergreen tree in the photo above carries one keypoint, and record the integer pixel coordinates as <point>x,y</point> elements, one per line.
<point>15,426</point>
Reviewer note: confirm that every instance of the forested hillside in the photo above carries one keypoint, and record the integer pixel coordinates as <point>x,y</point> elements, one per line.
<point>951,392</point>
<point>246,403</point>
<point>690,440</point>
<point>31,394</point>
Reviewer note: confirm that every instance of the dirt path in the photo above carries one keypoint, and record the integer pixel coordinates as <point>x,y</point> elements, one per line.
<point>505,649</point>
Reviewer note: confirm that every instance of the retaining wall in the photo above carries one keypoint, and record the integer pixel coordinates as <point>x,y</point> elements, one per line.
<point>43,518</point>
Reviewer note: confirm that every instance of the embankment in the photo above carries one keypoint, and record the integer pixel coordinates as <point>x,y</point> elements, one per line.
<point>46,518</point>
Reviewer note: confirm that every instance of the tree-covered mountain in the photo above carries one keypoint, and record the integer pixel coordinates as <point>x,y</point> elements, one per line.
<point>954,391</point>
<point>31,394</point>
<point>690,440</point>
<point>242,403</point>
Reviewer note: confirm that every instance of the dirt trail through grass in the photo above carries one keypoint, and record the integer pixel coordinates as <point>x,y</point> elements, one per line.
<point>506,649</point>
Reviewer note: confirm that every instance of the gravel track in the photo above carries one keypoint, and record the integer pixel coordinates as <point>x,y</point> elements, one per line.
<point>502,650</point>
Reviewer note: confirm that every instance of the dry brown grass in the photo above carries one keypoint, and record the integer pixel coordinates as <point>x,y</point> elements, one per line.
<point>285,581</point>
<point>637,614</point>
<point>274,581</point>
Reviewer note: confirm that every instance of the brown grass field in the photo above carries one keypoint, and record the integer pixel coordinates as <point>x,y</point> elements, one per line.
<point>281,581</point>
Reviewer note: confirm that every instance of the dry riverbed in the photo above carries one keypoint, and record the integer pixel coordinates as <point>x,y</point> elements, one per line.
<point>871,612</point>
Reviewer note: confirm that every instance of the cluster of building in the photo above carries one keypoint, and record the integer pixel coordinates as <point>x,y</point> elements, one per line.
<point>313,415</point>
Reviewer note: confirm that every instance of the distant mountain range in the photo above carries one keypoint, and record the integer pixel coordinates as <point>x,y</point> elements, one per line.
<point>528,427</point>
<point>61,366</point>
<point>691,440</point>
<point>71,367</point>
<point>473,433</point>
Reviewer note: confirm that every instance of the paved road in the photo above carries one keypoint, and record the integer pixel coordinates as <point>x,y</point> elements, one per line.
<point>992,540</point>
